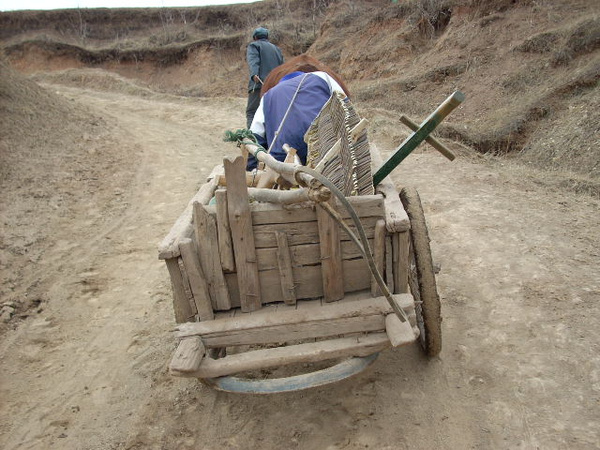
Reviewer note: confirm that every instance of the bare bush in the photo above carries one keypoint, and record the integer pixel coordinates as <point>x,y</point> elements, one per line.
<point>584,38</point>
<point>432,16</point>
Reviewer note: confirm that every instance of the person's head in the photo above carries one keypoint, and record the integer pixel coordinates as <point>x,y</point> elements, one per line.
<point>300,63</point>
<point>260,33</point>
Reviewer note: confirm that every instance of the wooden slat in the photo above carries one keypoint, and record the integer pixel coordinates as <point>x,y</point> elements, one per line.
<point>286,324</point>
<point>198,284</point>
<point>268,213</point>
<point>188,356</point>
<point>301,353</point>
<point>284,263</point>
<point>208,249</point>
<point>378,255</point>
<point>389,263</point>
<point>401,262</point>
<point>304,255</point>
<point>307,330</point>
<point>307,281</point>
<point>224,232</point>
<point>181,305</point>
<point>396,219</point>
<point>399,333</point>
<point>186,286</point>
<point>242,235</point>
<point>331,256</point>
<point>183,228</point>
<point>304,232</point>
<point>247,321</point>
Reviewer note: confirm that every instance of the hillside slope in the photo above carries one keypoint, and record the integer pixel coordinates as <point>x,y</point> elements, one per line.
<point>530,70</point>
<point>59,161</point>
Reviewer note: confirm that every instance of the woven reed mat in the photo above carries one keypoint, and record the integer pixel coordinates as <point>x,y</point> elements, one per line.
<point>350,170</point>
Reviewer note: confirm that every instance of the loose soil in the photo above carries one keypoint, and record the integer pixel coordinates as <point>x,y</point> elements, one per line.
<point>86,366</point>
<point>99,159</point>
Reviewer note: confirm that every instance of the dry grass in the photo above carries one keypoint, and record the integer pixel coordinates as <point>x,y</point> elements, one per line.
<point>521,64</point>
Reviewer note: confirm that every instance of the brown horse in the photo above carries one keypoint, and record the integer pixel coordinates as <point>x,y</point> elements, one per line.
<point>300,63</point>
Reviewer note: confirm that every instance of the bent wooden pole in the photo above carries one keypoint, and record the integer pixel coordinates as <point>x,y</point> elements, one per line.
<point>286,170</point>
<point>418,136</point>
<point>288,197</point>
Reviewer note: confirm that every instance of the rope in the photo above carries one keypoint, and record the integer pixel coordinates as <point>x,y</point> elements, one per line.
<point>239,135</point>
<point>244,136</point>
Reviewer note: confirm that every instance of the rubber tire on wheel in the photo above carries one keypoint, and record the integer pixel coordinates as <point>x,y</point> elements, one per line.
<point>422,275</point>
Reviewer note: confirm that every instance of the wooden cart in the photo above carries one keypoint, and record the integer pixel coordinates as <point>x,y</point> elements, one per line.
<point>258,285</point>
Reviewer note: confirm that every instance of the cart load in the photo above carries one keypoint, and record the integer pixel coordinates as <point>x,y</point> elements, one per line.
<point>322,275</point>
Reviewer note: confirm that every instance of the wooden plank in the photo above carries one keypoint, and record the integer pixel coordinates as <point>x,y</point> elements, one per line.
<point>284,263</point>
<point>181,305</point>
<point>188,356</point>
<point>303,314</point>
<point>198,284</point>
<point>240,221</point>
<point>378,256</point>
<point>224,232</point>
<point>307,281</point>
<point>396,219</point>
<point>389,263</point>
<point>401,262</point>
<point>304,255</point>
<point>399,333</point>
<point>301,353</point>
<point>305,330</point>
<point>267,213</point>
<point>186,286</point>
<point>331,256</point>
<point>208,251</point>
<point>304,232</point>
<point>183,227</point>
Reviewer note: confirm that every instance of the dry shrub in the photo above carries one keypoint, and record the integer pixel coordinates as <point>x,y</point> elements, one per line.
<point>540,43</point>
<point>583,38</point>
<point>428,17</point>
<point>439,74</point>
<point>485,7</point>
<point>168,37</point>
<point>432,16</point>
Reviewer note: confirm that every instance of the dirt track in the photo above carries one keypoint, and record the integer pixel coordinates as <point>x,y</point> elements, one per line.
<point>519,285</point>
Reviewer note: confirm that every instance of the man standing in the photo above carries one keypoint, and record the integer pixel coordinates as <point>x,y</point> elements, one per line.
<point>262,57</point>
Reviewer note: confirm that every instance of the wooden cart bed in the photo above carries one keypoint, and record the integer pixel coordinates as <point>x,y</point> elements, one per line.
<point>283,282</point>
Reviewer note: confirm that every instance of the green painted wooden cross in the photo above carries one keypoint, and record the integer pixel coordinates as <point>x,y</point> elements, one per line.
<point>412,141</point>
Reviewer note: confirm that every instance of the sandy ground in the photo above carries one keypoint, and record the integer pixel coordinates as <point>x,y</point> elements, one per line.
<point>520,367</point>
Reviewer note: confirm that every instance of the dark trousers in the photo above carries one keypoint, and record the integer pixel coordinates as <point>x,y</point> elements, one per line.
<point>253,102</point>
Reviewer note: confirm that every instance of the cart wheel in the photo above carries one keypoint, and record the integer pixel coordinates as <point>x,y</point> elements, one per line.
<point>421,276</point>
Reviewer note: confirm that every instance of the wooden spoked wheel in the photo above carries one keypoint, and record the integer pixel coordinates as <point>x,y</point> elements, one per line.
<point>422,275</point>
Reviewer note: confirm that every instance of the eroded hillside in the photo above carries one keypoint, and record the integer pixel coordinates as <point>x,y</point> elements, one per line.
<point>530,70</point>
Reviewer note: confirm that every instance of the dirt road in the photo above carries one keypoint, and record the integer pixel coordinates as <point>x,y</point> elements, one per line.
<point>520,284</point>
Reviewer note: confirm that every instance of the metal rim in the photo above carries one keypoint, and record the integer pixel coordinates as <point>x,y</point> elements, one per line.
<point>338,372</point>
